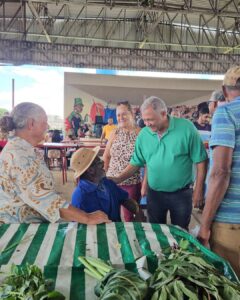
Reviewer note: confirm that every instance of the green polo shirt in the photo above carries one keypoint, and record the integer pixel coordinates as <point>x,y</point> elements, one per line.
<point>169,158</point>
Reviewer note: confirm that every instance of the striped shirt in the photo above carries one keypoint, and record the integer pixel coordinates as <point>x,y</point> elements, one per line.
<point>226,132</point>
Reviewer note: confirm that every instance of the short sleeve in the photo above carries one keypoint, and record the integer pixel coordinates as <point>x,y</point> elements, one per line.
<point>117,192</point>
<point>76,198</point>
<point>223,128</point>
<point>137,158</point>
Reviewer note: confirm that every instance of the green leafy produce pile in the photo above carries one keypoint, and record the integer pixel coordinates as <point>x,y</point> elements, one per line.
<point>114,284</point>
<point>186,275</point>
<point>183,275</point>
<point>28,283</point>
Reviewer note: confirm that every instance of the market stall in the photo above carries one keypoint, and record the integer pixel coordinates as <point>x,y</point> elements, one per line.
<point>56,248</point>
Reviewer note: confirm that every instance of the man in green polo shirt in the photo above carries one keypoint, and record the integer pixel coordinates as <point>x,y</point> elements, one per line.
<point>169,147</point>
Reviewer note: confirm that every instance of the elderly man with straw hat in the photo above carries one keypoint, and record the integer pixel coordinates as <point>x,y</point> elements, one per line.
<point>94,191</point>
<point>221,215</point>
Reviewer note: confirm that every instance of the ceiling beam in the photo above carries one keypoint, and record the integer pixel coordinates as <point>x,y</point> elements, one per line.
<point>20,52</point>
<point>32,8</point>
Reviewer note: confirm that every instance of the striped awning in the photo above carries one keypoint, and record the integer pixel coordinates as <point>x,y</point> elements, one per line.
<point>56,247</point>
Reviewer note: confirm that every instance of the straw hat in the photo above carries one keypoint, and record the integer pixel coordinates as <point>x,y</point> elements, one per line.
<point>231,77</point>
<point>82,159</point>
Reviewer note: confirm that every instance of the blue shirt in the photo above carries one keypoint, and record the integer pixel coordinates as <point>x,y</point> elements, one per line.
<point>226,132</point>
<point>106,196</point>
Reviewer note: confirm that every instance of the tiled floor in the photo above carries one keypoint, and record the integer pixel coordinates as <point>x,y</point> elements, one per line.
<point>66,191</point>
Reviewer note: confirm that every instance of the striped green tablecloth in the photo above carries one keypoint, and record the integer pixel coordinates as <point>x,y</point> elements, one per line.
<point>55,248</point>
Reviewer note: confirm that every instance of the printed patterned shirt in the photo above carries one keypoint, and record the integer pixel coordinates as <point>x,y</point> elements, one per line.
<point>121,151</point>
<point>27,193</point>
<point>226,132</point>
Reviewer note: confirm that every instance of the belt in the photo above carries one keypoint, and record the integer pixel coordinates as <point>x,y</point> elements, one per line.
<point>186,187</point>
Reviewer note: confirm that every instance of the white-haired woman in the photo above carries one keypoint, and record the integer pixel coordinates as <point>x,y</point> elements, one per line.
<point>26,185</point>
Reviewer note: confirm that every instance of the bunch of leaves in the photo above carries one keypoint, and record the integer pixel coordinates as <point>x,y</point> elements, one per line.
<point>28,283</point>
<point>113,283</point>
<point>187,275</point>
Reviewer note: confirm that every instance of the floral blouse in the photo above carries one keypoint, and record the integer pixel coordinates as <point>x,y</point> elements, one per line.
<point>27,193</point>
<point>121,152</point>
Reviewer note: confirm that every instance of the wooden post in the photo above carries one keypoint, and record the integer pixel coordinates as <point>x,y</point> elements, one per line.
<point>13,92</point>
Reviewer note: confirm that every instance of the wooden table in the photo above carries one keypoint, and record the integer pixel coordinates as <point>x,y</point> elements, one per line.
<point>56,247</point>
<point>62,147</point>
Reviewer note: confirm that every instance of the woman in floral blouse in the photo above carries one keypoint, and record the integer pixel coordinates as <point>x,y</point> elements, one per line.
<point>119,150</point>
<point>27,193</point>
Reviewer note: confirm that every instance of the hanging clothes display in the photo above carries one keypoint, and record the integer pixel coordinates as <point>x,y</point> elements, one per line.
<point>110,113</point>
<point>97,109</point>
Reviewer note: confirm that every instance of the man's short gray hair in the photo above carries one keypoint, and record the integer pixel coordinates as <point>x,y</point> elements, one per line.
<point>217,96</point>
<point>156,103</point>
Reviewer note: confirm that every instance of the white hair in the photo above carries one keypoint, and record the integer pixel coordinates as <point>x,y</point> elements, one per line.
<point>156,103</point>
<point>217,96</point>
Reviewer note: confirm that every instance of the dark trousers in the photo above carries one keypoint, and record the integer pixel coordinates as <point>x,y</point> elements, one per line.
<point>178,203</point>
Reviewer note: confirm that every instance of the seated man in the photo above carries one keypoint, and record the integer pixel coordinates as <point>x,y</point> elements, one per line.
<point>94,191</point>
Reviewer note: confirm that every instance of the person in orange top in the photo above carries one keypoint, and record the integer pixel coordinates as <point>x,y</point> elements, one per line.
<point>107,129</point>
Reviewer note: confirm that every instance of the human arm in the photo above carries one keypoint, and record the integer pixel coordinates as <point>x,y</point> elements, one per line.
<point>106,154</point>
<point>135,209</point>
<point>125,174</point>
<point>131,205</point>
<point>103,134</point>
<point>218,184</point>
<point>144,187</point>
<point>72,213</point>
<point>198,193</point>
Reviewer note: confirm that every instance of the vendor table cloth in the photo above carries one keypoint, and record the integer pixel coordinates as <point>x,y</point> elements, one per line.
<point>55,249</point>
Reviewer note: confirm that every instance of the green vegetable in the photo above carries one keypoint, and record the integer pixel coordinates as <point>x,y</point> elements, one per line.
<point>114,284</point>
<point>28,283</point>
<point>186,275</point>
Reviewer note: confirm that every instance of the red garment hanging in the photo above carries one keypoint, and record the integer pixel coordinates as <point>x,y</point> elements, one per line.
<point>97,109</point>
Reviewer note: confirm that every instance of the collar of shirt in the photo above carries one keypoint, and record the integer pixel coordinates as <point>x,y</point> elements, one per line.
<point>90,187</point>
<point>19,142</point>
<point>237,98</point>
<point>170,127</point>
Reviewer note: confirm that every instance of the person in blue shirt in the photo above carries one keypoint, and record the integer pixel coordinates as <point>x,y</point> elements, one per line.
<point>94,191</point>
<point>220,225</point>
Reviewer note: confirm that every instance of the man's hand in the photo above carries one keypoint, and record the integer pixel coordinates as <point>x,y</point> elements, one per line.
<point>204,235</point>
<point>97,217</point>
<point>139,217</point>
<point>115,179</point>
<point>198,199</point>
<point>126,173</point>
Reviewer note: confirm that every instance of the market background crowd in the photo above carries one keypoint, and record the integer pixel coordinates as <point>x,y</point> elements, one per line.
<point>167,147</point>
